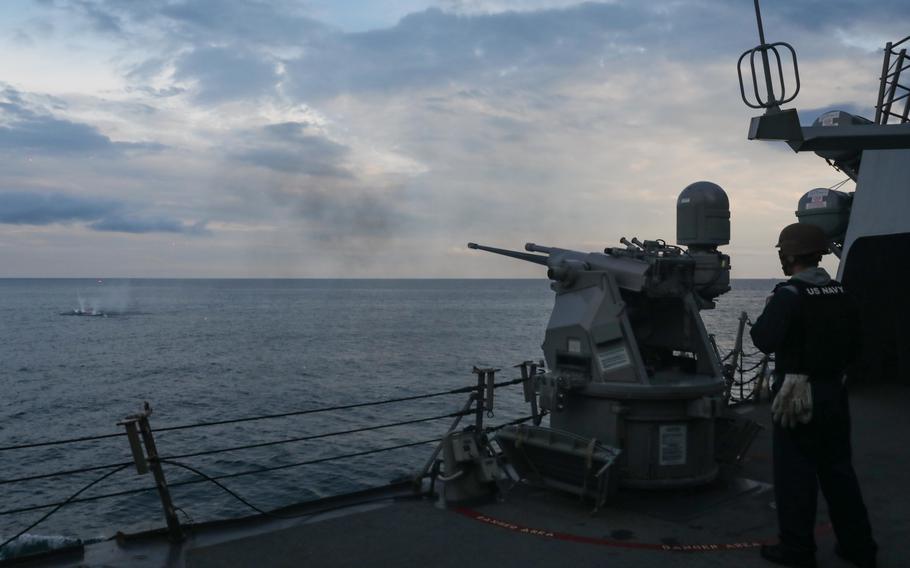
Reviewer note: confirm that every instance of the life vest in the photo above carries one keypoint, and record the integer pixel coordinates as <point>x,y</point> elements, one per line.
<point>824,333</point>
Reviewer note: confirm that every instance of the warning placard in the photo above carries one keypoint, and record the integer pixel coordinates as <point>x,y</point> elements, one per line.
<point>672,444</point>
<point>613,357</point>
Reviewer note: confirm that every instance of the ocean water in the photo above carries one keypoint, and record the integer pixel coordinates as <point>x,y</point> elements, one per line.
<point>204,350</point>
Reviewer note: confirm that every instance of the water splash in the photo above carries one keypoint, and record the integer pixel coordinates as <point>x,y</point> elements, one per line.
<point>105,298</point>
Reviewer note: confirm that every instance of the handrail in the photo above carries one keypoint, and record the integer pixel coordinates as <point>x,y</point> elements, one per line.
<point>476,398</point>
<point>219,477</point>
<point>58,506</point>
<point>64,441</point>
<point>311,437</point>
<point>461,390</point>
<point>146,457</point>
<point>240,474</point>
<point>62,473</point>
<point>735,363</point>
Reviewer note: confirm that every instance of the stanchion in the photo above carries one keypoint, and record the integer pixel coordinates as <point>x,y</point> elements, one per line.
<point>137,425</point>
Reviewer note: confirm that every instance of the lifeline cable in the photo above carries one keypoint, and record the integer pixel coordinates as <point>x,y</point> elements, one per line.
<point>753,367</point>
<point>508,383</point>
<point>72,500</point>
<point>314,410</point>
<point>65,441</point>
<point>169,460</point>
<point>262,470</point>
<point>76,501</point>
<point>460,390</point>
<point>64,472</point>
<point>309,462</point>
<point>269,513</point>
<point>228,491</point>
<point>257,509</point>
<point>314,436</point>
<point>60,505</point>
<point>219,477</point>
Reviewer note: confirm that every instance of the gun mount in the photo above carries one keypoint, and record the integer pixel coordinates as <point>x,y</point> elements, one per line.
<point>629,361</point>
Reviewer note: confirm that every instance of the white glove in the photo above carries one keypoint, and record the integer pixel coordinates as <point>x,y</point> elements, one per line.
<point>793,402</point>
<point>781,400</point>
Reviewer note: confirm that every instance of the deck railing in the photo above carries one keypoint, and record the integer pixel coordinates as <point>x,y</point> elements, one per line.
<point>140,435</point>
<point>146,458</point>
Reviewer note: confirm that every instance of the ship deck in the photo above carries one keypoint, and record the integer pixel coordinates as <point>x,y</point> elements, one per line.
<point>719,525</point>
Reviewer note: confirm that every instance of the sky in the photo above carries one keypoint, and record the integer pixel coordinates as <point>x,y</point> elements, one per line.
<point>369,138</point>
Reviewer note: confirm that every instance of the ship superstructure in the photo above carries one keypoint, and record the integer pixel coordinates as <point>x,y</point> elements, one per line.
<point>869,229</point>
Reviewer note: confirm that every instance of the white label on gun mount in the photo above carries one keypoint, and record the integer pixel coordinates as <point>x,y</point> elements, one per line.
<point>614,357</point>
<point>672,444</point>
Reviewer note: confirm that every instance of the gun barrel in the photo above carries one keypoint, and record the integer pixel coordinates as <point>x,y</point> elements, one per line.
<point>531,247</point>
<point>535,258</point>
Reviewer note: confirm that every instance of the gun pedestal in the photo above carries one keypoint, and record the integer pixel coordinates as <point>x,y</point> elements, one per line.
<point>630,364</point>
<point>638,374</point>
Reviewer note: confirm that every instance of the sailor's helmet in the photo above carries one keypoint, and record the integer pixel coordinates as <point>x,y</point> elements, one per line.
<point>802,238</point>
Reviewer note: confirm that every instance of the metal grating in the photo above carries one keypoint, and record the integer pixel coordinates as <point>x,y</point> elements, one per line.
<point>893,96</point>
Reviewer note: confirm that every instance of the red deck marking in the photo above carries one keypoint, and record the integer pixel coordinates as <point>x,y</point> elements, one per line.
<point>508,525</point>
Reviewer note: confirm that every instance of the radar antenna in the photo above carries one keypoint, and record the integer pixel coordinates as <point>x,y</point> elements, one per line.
<point>767,100</point>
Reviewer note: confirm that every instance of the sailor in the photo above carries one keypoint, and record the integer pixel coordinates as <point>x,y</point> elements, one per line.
<point>811,326</point>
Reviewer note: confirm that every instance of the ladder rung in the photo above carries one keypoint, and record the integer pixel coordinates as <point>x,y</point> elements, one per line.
<point>893,45</point>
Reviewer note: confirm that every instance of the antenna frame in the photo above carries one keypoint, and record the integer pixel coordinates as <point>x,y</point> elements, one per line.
<point>770,101</point>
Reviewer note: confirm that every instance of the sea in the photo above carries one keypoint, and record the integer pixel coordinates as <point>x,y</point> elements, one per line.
<point>213,350</point>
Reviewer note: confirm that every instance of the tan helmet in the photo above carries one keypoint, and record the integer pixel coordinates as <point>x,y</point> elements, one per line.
<point>802,238</point>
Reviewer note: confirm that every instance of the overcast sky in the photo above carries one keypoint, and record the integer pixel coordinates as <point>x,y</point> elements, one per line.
<point>370,138</point>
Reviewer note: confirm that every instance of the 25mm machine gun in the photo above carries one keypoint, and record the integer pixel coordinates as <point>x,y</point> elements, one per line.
<point>629,361</point>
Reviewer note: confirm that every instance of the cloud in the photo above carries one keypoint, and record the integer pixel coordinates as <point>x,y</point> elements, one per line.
<point>289,147</point>
<point>238,50</point>
<point>495,120</point>
<point>291,161</point>
<point>819,15</point>
<point>27,127</point>
<point>226,73</point>
<point>101,19</point>
<point>200,22</point>
<point>251,21</point>
<point>26,208</point>
<point>529,48</point>
<point>292,148</point>
<point>26,130</point>
<point>21,208</point>
<point>433,47</point>
<point>140,225</point>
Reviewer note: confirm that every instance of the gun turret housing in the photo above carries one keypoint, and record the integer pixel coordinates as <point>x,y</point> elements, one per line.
<point>629,360</point>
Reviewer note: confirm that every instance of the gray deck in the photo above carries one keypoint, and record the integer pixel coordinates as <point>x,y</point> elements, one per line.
<point>715,526</point>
